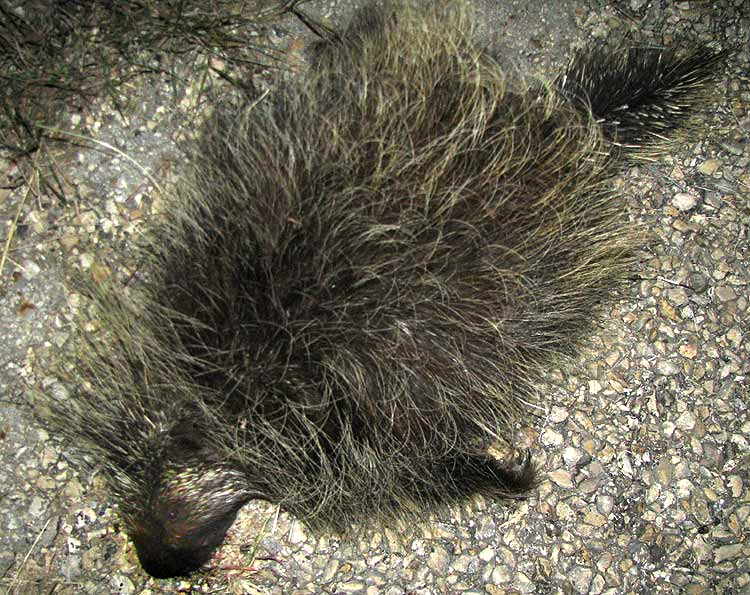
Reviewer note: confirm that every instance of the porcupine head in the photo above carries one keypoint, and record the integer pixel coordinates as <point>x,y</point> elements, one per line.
<point>139,417</point>
<point>183,505</point>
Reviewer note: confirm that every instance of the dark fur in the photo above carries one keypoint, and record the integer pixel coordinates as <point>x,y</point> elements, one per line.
<point>360,282</point>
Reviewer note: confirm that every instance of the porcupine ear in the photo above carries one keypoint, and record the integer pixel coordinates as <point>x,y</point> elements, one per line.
<point>640,93</point>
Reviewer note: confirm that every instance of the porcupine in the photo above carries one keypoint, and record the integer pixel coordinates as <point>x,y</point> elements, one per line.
<point>361,280</point>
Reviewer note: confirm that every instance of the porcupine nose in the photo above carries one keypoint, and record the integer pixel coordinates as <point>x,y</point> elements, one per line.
<point>167,550</point>
<point>168,564</point>
<point>167,561</point>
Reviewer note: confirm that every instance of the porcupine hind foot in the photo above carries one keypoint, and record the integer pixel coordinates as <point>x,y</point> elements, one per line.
<point>468,474</point>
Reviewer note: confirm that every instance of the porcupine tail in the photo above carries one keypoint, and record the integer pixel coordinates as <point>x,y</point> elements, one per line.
<point>639,94</point>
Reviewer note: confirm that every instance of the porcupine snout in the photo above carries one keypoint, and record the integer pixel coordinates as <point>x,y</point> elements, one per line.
<point>187,515</point>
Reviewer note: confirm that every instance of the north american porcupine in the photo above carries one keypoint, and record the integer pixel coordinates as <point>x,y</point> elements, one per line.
<point>360,282</point>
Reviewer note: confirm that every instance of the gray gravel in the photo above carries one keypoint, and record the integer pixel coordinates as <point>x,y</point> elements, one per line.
<point>645,442</point>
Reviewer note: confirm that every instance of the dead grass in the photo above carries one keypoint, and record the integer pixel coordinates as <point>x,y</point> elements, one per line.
<point>56,56</point>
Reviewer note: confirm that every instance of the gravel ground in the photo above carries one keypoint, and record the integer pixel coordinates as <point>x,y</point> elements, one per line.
<point>644,443</point>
